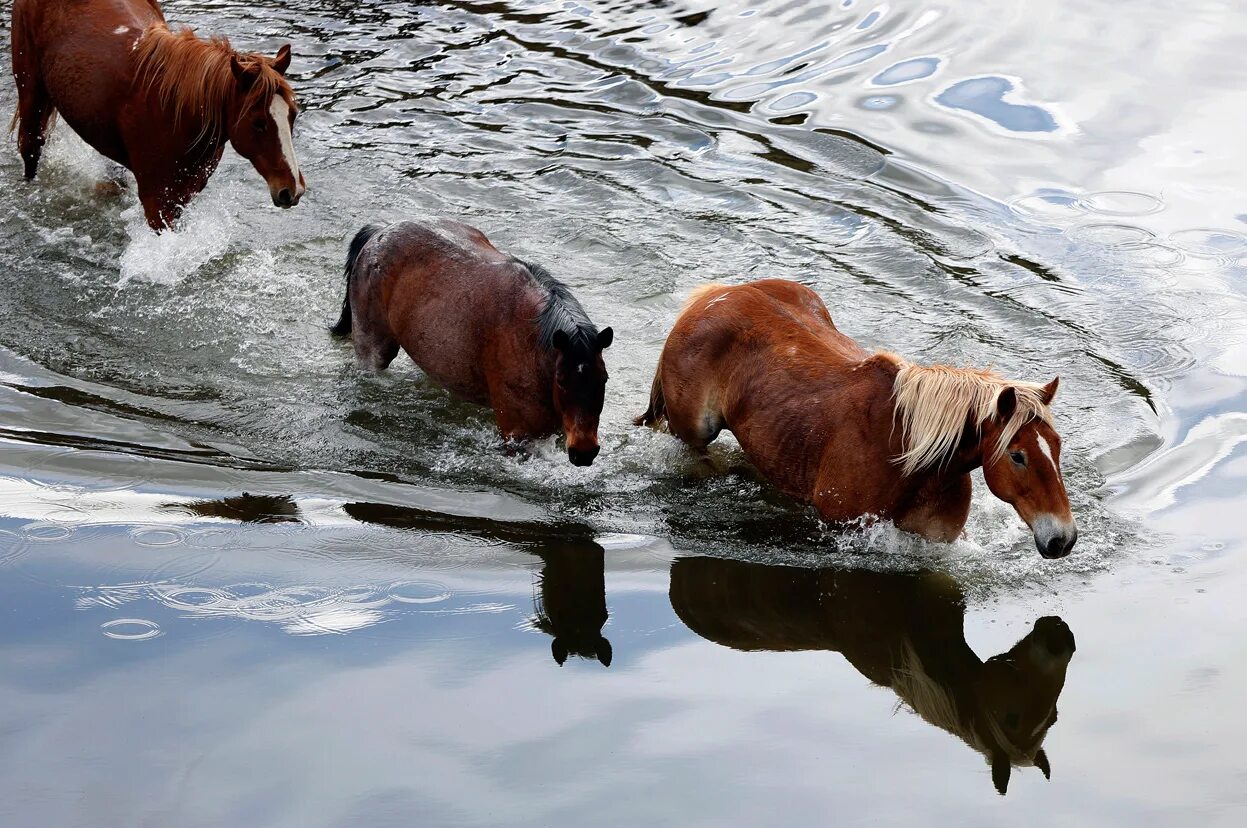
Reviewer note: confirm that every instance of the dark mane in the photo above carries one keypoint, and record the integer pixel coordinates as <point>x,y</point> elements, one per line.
<point>561,313</point>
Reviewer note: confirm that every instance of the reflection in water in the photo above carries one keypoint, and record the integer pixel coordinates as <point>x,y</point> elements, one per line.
<point>246,507</point>
<point>570,601</point>
<point>902,631</point>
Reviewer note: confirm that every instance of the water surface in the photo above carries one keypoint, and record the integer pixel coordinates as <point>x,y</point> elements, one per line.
<point>244,582</point>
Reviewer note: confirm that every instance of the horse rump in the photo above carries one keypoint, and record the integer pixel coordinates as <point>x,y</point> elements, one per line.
<point>365,235</point>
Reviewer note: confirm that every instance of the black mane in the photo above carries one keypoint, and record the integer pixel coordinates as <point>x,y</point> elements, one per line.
<point>561,313</point>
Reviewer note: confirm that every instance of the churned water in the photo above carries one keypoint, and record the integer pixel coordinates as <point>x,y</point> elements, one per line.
<point>241,582</point>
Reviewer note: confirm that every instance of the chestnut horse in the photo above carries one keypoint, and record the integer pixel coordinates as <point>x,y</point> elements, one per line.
<point>161,103</point>
<point>818,416</point>
<point>901,631</point>
<point>490,328</point>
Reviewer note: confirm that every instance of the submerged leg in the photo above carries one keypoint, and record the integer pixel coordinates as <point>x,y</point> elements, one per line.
<point>34,111</point>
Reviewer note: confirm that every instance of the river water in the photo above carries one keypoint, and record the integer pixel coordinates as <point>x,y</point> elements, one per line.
<point>243,583</point>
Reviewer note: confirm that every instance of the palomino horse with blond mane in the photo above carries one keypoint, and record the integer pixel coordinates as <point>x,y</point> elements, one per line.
<point>818,415</point>
<point>161,103</point>
<point>901,631</point>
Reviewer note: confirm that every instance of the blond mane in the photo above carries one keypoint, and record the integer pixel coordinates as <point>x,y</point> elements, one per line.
<point>934,403</point>
<point>193,77</point>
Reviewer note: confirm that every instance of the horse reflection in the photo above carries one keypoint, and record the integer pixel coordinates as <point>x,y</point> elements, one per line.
<point>570,604</point>
<point>902,631</point>
<point>569,600</point>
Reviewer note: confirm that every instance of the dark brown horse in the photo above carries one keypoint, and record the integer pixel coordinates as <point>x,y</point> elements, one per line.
<point>901,631</point>
<point>160,103</point>
<point>490,328</point>
<point>854,433</point>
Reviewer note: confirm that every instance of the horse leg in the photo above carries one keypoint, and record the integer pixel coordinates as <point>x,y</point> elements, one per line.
<point>374,353</point>
<point>34,111</point>
<point>160,213</point>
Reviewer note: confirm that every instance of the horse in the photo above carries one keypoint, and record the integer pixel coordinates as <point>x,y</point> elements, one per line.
<point>817,415</point>
<point>161,103</point>
<point>492,329</point>
<point>905,632</point>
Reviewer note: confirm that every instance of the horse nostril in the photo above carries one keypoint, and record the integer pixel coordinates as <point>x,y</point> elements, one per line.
<point>285,198</point>
<point>582,457</point>
<point>1059,546</point>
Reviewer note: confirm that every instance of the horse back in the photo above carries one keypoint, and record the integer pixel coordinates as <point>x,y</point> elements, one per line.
<point>80,52</point>
<point>461,309</point>
<point>765,361</point>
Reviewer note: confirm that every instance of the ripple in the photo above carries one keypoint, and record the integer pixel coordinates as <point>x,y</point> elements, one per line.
<point>419,592</point>
<point>1120,203</point>
<point>1046,204</point>
<point>157,536</point>
<point>47,532</point>
<point>1210,242</point>
<point>131,629</point>
<point>878,102</point>
<point>1115,235</point>
<point>12,546</point>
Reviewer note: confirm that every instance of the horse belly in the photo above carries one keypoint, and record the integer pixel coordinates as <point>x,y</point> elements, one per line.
<point>441,339</point>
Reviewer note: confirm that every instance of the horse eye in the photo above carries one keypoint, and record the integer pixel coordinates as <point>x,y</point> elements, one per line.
<point>1018,457</point>
<point>259,124</point>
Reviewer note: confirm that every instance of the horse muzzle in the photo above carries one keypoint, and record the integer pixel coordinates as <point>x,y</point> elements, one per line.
<point>1054,538</point>
<point>582,456</point>
<point>286,198</point>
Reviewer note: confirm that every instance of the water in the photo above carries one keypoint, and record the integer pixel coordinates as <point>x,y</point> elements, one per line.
<point>245,583</point>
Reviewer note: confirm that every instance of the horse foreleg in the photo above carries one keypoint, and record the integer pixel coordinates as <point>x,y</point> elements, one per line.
<point>157,208</point>
<point>34,112</point>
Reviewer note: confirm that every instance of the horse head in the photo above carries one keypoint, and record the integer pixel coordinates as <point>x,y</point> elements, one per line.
<point>1022,467</point>
<point>1017,693</point>
<point>580,389</point>
<point>260,122</point>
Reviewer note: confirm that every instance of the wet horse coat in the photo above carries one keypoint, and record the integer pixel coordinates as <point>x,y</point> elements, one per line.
<point>490,328</point>
<point>162,104</point>
<point>854,433</point>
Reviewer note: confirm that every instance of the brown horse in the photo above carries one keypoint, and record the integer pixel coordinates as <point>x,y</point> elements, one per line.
<point>902,631</point>
<point>161,103</point>
<point>490,328</point>
<point>818,416</point>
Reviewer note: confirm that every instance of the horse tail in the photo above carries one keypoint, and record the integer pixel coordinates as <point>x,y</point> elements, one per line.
<point>657,411</point>
<point>343,326</point>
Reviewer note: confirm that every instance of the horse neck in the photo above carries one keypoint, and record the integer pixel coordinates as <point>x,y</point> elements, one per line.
<point>196,100</point>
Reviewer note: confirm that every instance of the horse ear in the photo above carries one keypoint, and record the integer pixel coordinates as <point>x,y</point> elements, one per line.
<point>1006,403</point>
<point>559,650</point>
<point>605,337</point>
<point>561,341</point>
<point>1041,762</point>
<point>243,73</point>
<point>604,651</point>
<point>282,62</point>
<point>1000,773</point>
<point>1049,390</point>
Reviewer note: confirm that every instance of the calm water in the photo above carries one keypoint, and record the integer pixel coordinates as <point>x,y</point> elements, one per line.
<point>241,583</point>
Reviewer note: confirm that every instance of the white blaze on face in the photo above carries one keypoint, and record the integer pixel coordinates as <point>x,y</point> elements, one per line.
<point>1042,440</point>
<point>280,110</point>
